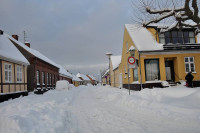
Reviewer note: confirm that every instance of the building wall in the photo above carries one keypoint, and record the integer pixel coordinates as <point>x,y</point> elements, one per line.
<point>177,57</point>
<point>13,86</point>
<point>76,83</point>
<point>65,78</point>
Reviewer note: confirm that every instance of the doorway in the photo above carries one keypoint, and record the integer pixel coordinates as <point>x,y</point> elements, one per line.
<point>169,69</point>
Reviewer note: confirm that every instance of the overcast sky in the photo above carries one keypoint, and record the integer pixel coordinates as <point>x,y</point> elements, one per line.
<point>73,33</point>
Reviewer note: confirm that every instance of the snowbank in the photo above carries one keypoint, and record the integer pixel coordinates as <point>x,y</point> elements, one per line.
<point>62,85</point>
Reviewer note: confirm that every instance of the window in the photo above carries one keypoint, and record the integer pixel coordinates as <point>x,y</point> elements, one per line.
<point>50,78</point>
<point>8,73</point>
<point>135,74</point>
<point>125,71</point>
<point>152,69</point>
<point>47,78</point>
<point>175,37</point>
<point>189,64</point>
<point>38,77</point>
<point>19,74</point>
<point>43,78</point>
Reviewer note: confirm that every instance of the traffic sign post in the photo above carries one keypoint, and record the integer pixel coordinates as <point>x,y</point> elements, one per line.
<point>131,64</point>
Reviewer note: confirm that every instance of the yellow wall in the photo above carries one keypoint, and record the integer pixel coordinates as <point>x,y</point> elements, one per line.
<point>178,60</point>
<point>76,83</point>
<point>12,87</point>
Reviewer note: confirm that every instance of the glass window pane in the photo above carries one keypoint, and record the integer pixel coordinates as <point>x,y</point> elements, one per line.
<point>180,40</point>
<point>187,67</point>
<point>191,59</point>
<point>180,34</point>
<point>174,34</point>
<point>152,70</point>
<point>186,34</point>
<point>186,59</point>
<point>174,40</point>
<point>191,34</point>
<point>167,34</point>
<point>192,40</point>
<point>167,40</point>
<point>186,40</point>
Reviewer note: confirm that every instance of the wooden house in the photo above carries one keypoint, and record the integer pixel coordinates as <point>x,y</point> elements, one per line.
<point>76,81</point>
<point>13,70</point>
<point>42,73</point>
<point>160,57</point>
<point>115,74</point>
<point>84,78</point>
<point>64,74</point>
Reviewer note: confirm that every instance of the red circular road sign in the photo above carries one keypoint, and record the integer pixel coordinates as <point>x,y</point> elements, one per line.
<point>131,60</point>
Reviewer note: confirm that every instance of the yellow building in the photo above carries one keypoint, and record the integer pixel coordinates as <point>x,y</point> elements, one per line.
<point>159,56</point>
<point>13,70</point>
<point>105,77</point>
<point>114,71</point>
<point>76,81</point>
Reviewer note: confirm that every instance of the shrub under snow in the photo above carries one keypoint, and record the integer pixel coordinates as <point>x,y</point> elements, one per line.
<point>62,85</point>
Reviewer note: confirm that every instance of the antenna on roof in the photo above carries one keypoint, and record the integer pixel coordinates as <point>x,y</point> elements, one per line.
<point>25,36</point>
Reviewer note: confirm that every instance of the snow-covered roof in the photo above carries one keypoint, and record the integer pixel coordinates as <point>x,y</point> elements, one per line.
<point>116,60</point>
<point>83,76</point>
<point>75,78</point>
<point>106,72</point>
<point>92,77</point>
<point>63,72</point>
<point>33,52</point>
<point>142,38</point>
<point>9,52</point>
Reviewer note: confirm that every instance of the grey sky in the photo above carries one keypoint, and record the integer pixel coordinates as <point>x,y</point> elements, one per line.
<point>73,33</point>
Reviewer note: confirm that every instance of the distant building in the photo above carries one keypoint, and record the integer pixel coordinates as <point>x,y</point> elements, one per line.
<point>13,69</point>
<point>84,78</point>
<point>76,81</point>
<point>42,72</point>
<point>64,75</point>
<point>115,74</point>
<point>93,79</point>
<point>105,77</point>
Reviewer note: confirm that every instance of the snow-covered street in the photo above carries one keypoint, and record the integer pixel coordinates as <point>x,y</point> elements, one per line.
<point>88,109</point>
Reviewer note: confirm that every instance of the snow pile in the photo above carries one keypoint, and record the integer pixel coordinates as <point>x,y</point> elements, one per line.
<point>89,109</point>
<point>116,60</point>
<point>62,85</point>
<point>142,38</point>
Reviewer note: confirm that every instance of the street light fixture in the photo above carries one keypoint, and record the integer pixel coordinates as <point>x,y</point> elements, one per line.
<point>109,55</point>
<point>132,51</point>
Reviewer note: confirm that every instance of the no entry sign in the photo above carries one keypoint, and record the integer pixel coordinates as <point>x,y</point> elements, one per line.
<point>131,60</point>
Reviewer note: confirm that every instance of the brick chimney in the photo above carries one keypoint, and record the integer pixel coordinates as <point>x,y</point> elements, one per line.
<point>27,44</point>
<point>15,36</point>
<point>1,32</point>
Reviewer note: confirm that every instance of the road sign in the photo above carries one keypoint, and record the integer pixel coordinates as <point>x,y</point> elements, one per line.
<point>131,60</point>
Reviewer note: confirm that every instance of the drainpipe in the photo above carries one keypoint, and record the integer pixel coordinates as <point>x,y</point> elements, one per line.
<point>140,71</point>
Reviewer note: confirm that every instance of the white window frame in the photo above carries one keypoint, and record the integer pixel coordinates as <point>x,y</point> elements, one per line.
<point>189,63</point>
<point>19,74</point>
<point>50,79</point>
<point>9,76</point>
<point>43,78</point>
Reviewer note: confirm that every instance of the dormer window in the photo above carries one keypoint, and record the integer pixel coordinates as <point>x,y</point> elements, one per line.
<point>177,37</point>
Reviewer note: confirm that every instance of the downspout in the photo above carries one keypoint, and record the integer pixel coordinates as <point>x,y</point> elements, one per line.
<point>140,71</point>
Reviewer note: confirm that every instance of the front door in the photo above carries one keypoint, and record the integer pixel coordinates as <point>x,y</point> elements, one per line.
<point>169,69</point>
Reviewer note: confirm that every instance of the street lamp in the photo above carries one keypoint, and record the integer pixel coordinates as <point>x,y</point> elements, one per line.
<point>132,51</point>
<point>109,55</point>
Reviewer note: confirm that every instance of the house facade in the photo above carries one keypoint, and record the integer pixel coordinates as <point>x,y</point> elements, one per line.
<point>167,56</point>
<point>84,78</point>
<point>76,81</point>
<point>116,75</point>
<point>42,73</point>
<point>64,75</point>
<point>13,70</point>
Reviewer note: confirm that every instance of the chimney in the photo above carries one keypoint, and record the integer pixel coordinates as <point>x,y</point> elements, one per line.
<point>15,36</point>
<point>1,32</point>
<point>27,44</point>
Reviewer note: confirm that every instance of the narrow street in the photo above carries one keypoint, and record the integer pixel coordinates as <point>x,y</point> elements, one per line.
<point>89,109</point>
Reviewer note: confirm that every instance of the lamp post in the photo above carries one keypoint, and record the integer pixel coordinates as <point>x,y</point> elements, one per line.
<point>132,52</point>
<point>109,55</point>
